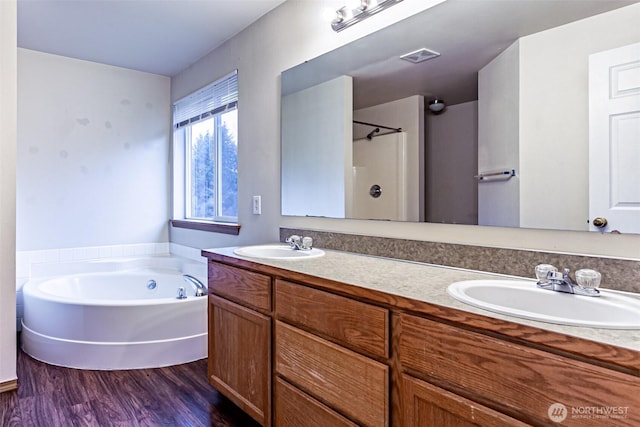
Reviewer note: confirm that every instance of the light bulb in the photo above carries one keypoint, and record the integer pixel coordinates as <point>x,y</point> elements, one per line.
<point>437,105</point>
<point>329,14</point>
<point>356,4</point>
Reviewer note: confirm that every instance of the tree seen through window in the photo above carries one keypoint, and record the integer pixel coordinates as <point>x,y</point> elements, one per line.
<point>214,167</point>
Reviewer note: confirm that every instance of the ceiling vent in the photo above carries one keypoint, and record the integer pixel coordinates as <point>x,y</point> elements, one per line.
<point>420,55</point>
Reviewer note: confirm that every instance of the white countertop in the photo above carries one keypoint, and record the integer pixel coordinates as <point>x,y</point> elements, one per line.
<point>426,283</point>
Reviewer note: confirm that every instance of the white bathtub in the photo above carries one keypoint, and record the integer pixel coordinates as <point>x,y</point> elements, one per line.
<point>107,317</point>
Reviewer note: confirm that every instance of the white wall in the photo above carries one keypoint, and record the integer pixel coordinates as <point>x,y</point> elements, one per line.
<point>408,114</point>
<point>285,37</point>
<point>554,151</point>
<point>318,147</point>
<point>498,138</point>
<point>8,119</point>
<point>93,150</point>
<point>452,162</point>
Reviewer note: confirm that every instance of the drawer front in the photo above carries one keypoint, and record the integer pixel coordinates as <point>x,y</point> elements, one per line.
<point>518,380</point>
<point>428,405</point>
<point>344,380</point>
<point>295,408</point>
<point>244,287</point>
<point>356,324</point>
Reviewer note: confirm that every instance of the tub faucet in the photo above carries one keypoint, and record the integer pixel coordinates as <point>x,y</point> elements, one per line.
<point>298,243</point>
<point>201,290</point>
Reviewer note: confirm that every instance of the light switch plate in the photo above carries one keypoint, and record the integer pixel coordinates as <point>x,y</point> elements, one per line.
<point>257,205</point>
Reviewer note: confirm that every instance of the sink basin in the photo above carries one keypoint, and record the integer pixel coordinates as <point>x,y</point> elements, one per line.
<point>519,298</point>
<point>276,251</point>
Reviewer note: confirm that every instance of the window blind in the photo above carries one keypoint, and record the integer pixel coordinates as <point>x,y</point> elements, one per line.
<point>212,99</point>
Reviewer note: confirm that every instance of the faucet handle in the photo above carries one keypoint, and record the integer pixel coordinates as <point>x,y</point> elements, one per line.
<point>307,243</point>
<point>543,270</point>
<point>293,240</point>
<point>588,278</point>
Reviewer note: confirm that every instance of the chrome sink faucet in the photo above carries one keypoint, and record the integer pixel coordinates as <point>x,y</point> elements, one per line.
<point>550,278</point>
<point>298,243</point>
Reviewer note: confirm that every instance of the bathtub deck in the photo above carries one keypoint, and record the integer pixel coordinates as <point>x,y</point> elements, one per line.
<point>174,396</point>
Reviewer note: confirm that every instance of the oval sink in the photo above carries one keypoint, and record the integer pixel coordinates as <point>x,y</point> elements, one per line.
<point>611,310</point>
<point>276,251</point>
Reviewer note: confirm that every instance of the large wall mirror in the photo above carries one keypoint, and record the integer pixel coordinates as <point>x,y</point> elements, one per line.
<point>512,146</point>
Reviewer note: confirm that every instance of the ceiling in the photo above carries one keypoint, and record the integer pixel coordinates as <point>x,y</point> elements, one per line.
<point>157,36</point>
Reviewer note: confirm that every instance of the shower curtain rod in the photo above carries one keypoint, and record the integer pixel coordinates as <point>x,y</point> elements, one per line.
<point>377,126</point>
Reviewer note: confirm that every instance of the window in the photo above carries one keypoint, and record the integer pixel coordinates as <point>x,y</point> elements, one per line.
<point>205,153</point>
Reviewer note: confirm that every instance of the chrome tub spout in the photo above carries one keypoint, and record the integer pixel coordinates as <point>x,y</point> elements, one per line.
<point>201,289</point>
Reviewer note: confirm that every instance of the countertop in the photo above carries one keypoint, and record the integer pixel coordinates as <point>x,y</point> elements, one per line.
<point>425,283</point>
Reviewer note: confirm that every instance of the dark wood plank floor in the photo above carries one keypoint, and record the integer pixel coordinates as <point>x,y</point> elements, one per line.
<point>50,396</point>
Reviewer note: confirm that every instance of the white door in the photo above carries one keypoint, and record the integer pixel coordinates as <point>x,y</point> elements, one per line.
<point>614,140</point>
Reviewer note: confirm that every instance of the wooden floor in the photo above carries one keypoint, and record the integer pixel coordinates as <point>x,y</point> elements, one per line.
<point>51,396</point>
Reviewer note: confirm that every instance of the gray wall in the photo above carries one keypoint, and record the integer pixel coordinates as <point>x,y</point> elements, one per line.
<point>452,153</point>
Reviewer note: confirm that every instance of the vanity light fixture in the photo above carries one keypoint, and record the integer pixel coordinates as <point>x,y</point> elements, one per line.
<point>357,10</point>
<point>437,106</point>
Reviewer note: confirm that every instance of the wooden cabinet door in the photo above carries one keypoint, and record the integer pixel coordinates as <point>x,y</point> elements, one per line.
<point>293,407</point>
<point>428,405</point>
<point>240,356</point>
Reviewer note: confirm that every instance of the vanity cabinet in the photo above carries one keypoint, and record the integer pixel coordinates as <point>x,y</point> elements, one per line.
<point>239,363</point>
<point>324,352</point>
<point>294,349</point>
<point>519,381</point>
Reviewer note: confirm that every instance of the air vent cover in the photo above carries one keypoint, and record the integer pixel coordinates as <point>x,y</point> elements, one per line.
<point>420,55</point>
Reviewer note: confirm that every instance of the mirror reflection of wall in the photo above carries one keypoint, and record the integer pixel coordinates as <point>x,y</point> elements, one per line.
<point>316,149</point>
<point>529,97</point>
<point>451,164</point>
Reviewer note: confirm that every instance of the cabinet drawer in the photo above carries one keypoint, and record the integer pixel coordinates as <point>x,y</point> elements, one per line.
<point>428,405</point>
<point>513,378</point>
<point>342,379</point>
<point>244,287</point>
<point>295,408</point>
<point>356,324</point>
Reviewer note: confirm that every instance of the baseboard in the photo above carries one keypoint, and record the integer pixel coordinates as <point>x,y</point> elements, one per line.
<point>8,386</point>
